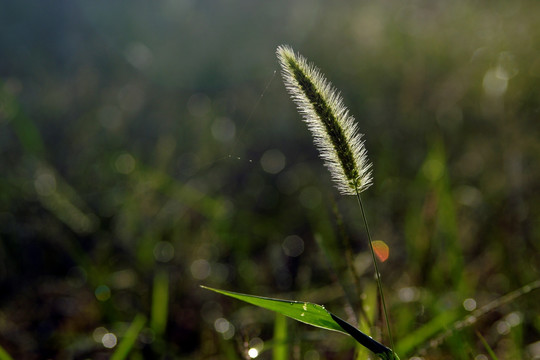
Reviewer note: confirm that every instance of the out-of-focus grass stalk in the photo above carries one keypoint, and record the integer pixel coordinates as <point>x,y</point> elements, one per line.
<point>281,349</point>
<point>125,346</point>
<point>54,192</point>
<point>369,309</point>
<point>25,129</point>
<point>4,354</point>
<point>470,319</point>
<point>422,334</point>
<point>160,302</point>
<point>228,351</point>
<point>487,347</point>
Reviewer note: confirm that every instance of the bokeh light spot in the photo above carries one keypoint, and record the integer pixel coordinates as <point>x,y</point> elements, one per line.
<point>229,334</point>
<point>273,161</point>
<point>408,294</point>
<point>312,355</point>
<point>123,279</point>
<point>253,353</point>
<point>256,346</point>
<point>381,250</point>
<point>110,117</point>
<point>163,251</point>
<point>200,269</point>
<point>503,327</point>
<point>224,327</point>
<point>288,182</point>
<point>221,272</point>
<point>147,336</point>
<point>109,340</point>
<point>494,84</point>
<point>139,55</point>
<point>45,183</point>
<point>469,196</point>
<point>103,293</point>
<point>98,333</point>
<point>469,304</point>
<point>223,129</point>
<point>221,325</point>
<point>514,318</point>
<point>534,350</point>
<point>293,246</point>
<point>125,163</point>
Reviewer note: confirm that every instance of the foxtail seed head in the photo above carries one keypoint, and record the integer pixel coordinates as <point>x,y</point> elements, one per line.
<point>334,130</point>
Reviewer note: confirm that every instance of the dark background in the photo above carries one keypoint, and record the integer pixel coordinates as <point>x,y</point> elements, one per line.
<point>149,147</point>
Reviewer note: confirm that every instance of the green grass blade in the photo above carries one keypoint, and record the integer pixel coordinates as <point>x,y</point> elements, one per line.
<point>311,314</point>
<point>160,302</point>
<point>281,350</point>
<point>424,333</point>
<point>227,350</point>
<point>364,339</point>
<point>130,337</point>
<point>488,348</point>
<point>25,129</point>
<point>4,354</point>
<point>308,313</point>
<point>370,308</point>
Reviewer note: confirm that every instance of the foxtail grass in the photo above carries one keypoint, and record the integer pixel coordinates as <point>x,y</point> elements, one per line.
<point>334,130</point>
<point>335,134</point>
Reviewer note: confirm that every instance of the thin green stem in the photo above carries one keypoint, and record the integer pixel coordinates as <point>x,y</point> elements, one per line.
<point>378,274</point>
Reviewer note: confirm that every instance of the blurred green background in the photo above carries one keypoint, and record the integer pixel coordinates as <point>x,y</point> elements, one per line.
<point>147,148</point>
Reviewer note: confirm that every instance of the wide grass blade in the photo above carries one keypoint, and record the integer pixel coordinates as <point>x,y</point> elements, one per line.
<point>130,337</point>
<point>311,314</point>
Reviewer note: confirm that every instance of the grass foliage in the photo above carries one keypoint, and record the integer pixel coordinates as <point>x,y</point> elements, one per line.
<point>312,314</point>
<point>147,149</point>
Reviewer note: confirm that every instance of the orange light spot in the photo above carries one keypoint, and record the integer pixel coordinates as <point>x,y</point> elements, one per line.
<point>381,250</point>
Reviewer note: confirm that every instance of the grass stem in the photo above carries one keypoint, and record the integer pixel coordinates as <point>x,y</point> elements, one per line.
<point>378,274</point>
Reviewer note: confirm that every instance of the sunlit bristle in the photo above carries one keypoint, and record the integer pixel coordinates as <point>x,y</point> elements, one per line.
<point>334,129</point>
